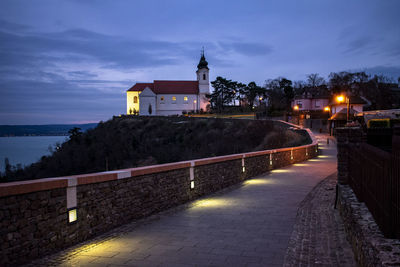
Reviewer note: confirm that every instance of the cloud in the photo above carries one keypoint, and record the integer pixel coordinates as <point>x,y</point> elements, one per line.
<point>389,71</point>
<point>247,49</point>
<point>12,27</point>
<point>82,74</point>
<point>369,44</point>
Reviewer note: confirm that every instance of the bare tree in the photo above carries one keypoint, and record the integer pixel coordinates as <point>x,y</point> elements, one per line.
<point>314,80</point>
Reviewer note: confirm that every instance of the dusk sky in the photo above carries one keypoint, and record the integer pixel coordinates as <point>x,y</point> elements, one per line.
<point>71,61</point>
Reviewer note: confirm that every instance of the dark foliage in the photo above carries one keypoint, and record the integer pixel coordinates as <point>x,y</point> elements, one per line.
<point>138,141</point>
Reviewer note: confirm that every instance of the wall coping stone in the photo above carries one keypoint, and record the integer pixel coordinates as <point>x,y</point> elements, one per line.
<point>23,187</point>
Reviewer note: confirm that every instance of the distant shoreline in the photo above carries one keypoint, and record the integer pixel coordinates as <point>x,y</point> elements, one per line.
<point>33,135</point>
<point>42,130</point>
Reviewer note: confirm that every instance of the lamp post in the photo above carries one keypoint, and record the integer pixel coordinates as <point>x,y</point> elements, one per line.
<point>296,109</point>
<point>342,98</point>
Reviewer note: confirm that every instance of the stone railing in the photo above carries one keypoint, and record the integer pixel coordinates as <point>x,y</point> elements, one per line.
<point>38,217</point>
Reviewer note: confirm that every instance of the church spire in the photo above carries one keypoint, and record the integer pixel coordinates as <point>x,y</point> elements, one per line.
<point>203,64</point>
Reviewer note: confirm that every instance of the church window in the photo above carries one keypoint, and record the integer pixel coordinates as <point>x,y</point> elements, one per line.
<point>204,76</point>
<point>185,99</point>
<point>135,99</point>
<point>173,99</point>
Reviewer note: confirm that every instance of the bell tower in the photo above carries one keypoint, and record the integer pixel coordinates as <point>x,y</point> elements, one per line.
<point>203,75</point>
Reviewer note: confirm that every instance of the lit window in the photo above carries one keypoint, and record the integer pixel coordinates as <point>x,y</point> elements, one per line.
<point>135,99</point>
<point>185,98</point>
<point>174,99</point>
<point>299,104</point>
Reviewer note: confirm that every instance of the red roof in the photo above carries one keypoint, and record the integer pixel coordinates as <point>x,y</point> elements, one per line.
<point>169,87</point>
<point>140,86</point>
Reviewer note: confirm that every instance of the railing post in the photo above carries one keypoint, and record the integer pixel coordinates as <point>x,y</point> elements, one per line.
<point>346,136</point>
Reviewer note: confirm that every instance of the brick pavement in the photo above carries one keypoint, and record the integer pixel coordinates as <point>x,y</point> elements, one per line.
<point>246,225</point>
<point>319,238</point>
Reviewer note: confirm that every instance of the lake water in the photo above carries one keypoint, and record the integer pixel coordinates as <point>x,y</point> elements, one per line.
<point>26,149</point>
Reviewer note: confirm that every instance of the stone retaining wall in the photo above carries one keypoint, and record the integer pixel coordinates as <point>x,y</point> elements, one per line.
<point>34,214</point>
<point>369,245</point>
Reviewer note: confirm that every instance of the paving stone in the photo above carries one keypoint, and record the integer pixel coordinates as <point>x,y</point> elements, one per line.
<point>318,238</point>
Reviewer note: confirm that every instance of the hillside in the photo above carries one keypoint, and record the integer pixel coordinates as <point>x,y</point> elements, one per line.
<point>130,142</point>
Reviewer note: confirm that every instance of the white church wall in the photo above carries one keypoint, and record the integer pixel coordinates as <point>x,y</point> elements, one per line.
<point>145,102</point>
<point>166,105</point>
<point>147,98</point>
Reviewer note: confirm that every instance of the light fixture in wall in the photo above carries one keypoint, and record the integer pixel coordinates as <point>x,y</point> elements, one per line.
<point>291,154</point>
<point>306,152</point>
<point>270,159</point>
<point>191,184</point>
<point>243,169</point>
<point>72,215</point>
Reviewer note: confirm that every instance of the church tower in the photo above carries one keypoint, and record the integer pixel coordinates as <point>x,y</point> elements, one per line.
<point>204,81</point>
<point>203,75</point>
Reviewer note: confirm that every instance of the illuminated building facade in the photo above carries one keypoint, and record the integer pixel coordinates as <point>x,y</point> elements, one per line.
<point>163,98</point>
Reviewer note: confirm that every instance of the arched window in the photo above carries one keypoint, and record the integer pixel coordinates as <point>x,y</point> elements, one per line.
<point>135,99</point>
<point>204,76</point>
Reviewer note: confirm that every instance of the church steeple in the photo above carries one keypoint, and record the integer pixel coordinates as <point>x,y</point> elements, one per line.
<point>203,64</point>
<point>203,75</point>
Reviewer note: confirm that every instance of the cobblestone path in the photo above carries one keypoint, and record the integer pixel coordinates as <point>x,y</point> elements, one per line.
<point>318,238</point>
<point>246,225</point>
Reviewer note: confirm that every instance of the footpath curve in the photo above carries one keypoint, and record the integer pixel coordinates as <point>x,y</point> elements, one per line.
<point>249,224</point>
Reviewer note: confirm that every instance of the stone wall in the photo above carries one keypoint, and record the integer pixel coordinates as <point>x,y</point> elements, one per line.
<point>369,245</point>
<point>34,214</point>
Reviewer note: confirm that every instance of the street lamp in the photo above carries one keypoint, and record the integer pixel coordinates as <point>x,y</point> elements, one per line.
<point>341,99</point>
<point>296,109</point>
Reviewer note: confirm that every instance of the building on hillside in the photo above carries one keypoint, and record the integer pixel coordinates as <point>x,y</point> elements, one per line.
<point>311,103</point>
<point>163,98</point>
<point>356,103</point>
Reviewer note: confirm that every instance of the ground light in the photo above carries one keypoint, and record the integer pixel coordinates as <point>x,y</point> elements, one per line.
<point>72,215</point>
<point>257,182</point>
<point>280,171</point>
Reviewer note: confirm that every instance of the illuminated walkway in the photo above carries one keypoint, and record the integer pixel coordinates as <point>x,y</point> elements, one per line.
<point>248,225</point>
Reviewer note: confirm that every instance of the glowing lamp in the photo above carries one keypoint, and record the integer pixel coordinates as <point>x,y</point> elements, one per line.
<point>72,215</point>
<point>191,184</point>
<point>326,109</point>
<point>243,169</point>
<point>260,98</point>
<point>340,99</point>
<point>195,101</point>
<point>296,107</point>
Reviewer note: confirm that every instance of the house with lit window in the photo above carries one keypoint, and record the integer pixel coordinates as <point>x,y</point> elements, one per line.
<point>163,98</point>
<point>309,101</point>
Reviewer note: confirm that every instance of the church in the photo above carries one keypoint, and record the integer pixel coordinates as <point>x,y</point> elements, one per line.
<point>163,98</point>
